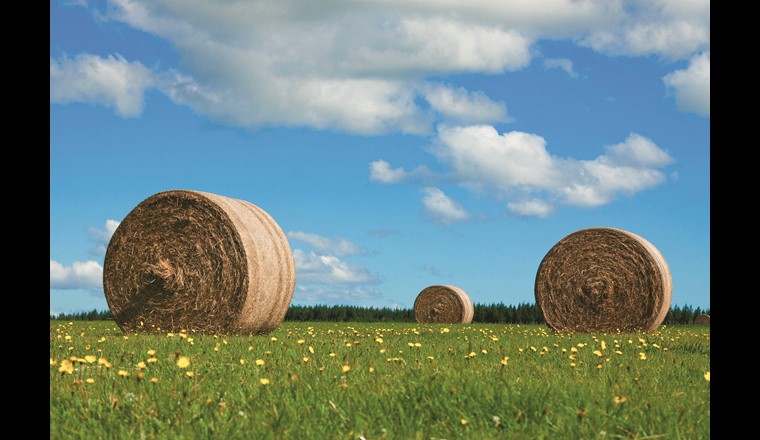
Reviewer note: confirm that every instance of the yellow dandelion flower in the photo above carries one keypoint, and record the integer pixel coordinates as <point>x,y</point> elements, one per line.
<point>260,362</point>
<point>273,339</point>
<point>301,341</point>
<point>224,341</point>
<point>417,344</point>
<point>183,362</point>
<point>494,338</point>
<point>191,341</point>
<point>472,354</point>
<point>332,354</point>
<point>311,349</point>
<point>152,360</point>
<point>90,380</point>
<point>572,364</point>
<point>250,348</point>
<point>305,359</point>
<point>707,376</point>
<point>598,353</point>
<point>445,330</point>
<point>599,365</point>
<point>141,364</point>
<point>53,362</point>
<point>504,361</point>
<point>371,369</point>
<point>532,348</point>
<point>182,335</point>
<point>344,385</point>
<point>169,335</point>
<point>464,422</point>
<point>123,373</point>
<point>604,345</point>
<point>189,373</point>
<point>348,344</point>
<point>242,361</point>
<point>382,350</point>
<point>154,379</point>
<point>346,368</point>
<point>151,352</point>
<point>618,352</point>
<point>619,399</point>
<point>267,353</point>
<point>642,356</point>
<point>564,350</point>
<point>264,381</point>
<point>520,350</point>
<point>484,351</point>
<point>573,350</point>
<point>67,337</point>
<point>66,367</point>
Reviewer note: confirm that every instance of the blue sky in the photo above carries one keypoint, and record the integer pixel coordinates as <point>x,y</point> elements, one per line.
<point>398,144</point>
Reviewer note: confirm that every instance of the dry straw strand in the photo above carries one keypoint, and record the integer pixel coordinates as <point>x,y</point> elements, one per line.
<point>702,320</point>
<point>603,279</point>
<point>194,260</point>
<point>444,303</point>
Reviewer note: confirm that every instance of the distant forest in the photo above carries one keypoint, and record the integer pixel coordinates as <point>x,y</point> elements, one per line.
<point>523,313</point>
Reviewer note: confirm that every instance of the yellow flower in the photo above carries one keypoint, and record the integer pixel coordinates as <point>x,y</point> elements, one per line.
<point>417,344</point>
<point>66,367</point>
<point>484,351</point>
<point>707,376</point>
<point>250,348</point>
<point>169,335</point>
<point>411,344</point>
<point>90,380</point>
<point>430,358</point>
<point>301,341</point>
<point>189,373</point>
<point>332,354</point>
<point>604,345</point>
<point>464,422</point>
<point>619,399</point>
<point>599,365</point>
<point>382,350</point>
<point>572,364</point>
<point>183,362</point>
<point>618,352</point>
<point>53,362</point>
<point>123,373</point>
<point>242,361</point>
<point>151,352</point>
<point>260,362</point>
<point>532,348</point>
<point>504,361</point>
<point>379,340</point>
<point>311,349</point>
<point>573,349</point>
<point>90,358</point>
<point>152,360</point>
<point>264,381</point>
<point>642,356</point>
<point>445,330</point>
<point>273,339</point>
<point>346,368</point>
<point>598,353</point>
<point>305,359</point>
<point>371,369</point>
<point>154,379</point>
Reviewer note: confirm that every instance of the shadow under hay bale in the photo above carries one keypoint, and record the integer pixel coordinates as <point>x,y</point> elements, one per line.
<point>603,279</point>
<point>702,320</point>
<point>194,260</point>
<point>446,304</point>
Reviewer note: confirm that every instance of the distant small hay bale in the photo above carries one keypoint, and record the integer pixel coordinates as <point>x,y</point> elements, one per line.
<point>194,260</point>
<point>603,280</point>
<point>702,320</point>
<point>446,304</point>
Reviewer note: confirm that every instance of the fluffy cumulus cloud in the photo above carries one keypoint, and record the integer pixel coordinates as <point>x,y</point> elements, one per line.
<point>516,167</point>
<point>101,236</point>
<point>325,277</point>
<point>360,67</point>
<point>380,171</point>
<point>112,81</point>
<point>562,64</point>
<point>691,86</point>
<point>80,275</point>
<point>440,208</point>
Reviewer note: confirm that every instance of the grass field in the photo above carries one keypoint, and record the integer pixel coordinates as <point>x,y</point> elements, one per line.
<point>379,380</point>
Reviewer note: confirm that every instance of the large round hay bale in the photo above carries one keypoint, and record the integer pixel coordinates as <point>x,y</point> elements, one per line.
<point>195,260</point>
<point>602,280</point>
<point>702,320</point>
<point>448,304</point>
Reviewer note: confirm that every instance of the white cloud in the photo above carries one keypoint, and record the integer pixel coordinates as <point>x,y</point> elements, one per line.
<point>561,63</point>
<point>360,67</point>
<point>441,208</point>
<point>112,82</point>
<point>101,237</point>
<point>460,106</point>
<point>327,269</point>
<point>381,171</point>
<point>517,167</point>
<point>332,246</point>
<point>691,86</point>
<point>531,208</point>
<point>80,275</point>
<point>336,295</point>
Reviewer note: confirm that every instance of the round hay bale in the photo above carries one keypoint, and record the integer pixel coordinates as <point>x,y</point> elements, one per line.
<point>702,320</point>
<point>603,280</point>
<point>194,260</point>
<point>448,304</point>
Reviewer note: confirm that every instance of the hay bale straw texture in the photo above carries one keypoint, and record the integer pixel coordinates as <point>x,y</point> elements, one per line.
<point>448,304</point>
<point>194,260</point>
<point>702,320</point>
<point>603,279</point>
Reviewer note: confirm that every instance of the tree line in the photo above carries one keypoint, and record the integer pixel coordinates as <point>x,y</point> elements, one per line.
<point>523,313</point>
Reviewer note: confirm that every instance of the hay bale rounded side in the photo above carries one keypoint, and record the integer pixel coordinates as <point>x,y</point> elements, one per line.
<point>194,260</point>
<point>702,320</point>
<point>446,304</point>
<point>603,279</point>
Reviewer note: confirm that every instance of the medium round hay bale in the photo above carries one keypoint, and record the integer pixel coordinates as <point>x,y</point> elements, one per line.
<point>702,320</point>
<point>195,260</point>
<point>448,304</point>
<point>601,280</point>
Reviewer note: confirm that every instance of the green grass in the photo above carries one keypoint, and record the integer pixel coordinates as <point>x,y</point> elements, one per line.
<point>409,396</point>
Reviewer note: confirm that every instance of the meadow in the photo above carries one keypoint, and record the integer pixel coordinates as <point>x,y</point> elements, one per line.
<point>379,381</point>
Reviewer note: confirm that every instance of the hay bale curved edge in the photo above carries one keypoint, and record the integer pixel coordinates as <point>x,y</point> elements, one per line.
<point>445,304</point>
<point>603,279</point>
<point>194,260</point>
<point>702,320</point>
